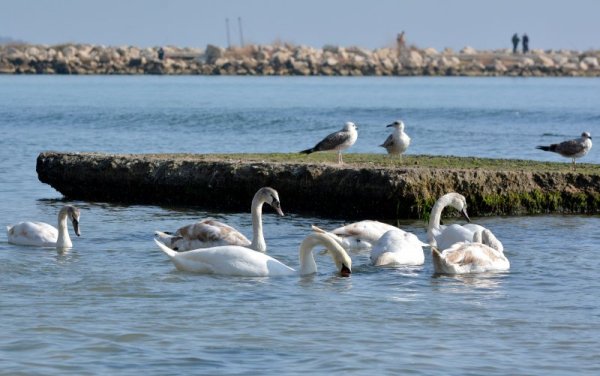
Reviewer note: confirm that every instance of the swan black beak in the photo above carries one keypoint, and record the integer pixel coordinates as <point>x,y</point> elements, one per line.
<point>345,272</point>
<point>277,206</point>
<point>464,213</point>
<point>76,227</point>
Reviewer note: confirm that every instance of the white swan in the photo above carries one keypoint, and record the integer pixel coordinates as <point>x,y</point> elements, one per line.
<point>241,261</point>
<point>396,248</point>
<point>442,237</point>
<point>359,236</point>
<point>466,257</point>
<point>44,235</point>
<point>212,233</point>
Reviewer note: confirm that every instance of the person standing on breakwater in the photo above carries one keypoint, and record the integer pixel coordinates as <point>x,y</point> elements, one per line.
<point>515,42</point>
<point>401,44</point>
<point>161,53</point>
<point>525,43</point>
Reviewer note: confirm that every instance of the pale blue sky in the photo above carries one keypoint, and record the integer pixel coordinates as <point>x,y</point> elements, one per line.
<point>482,24</point>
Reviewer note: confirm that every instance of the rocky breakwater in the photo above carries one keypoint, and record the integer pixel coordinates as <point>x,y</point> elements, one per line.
<point>286,59</point>
<point>352,191</point>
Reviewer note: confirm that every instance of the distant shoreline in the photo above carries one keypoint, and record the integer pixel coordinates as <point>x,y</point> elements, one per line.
<point>292,60</point>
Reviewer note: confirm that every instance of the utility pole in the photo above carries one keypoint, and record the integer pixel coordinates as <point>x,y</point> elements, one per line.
<point>228,36</point>
<point>241,34</point>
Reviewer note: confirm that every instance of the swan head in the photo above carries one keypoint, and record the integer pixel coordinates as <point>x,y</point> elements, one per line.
<point>271,197</point>
<point>398,124</point>
<point>343,262</point>
<point>458,202</point>
<point>72,213</point>
<point>350,126</point>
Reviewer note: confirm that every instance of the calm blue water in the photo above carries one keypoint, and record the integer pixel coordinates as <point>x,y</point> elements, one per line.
<point>115,305</point>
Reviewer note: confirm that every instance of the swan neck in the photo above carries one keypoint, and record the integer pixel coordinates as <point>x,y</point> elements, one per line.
<point>307,259</point>
<point>258,239</point>
<point>337,253</point>
<point>64,240</point>
<point>435,217</point>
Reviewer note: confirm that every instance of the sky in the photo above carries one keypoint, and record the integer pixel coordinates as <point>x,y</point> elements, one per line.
<point>482,24</point>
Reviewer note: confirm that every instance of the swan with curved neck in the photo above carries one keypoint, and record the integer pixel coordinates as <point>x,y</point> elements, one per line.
<point>44,235</point>
<point>396,248</point>
<point>241,261</point>
<point>478,256</point>
<point>443,237</point>
<point>359,236</point>
<point>212,233</point>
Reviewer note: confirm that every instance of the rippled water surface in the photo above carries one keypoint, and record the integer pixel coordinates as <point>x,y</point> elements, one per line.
<point>115,305</point>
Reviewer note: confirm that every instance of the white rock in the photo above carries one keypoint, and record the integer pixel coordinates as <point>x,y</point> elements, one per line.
<point>358,51</point>
<point>527,62</point>
<point>545,61</point>
<point>560,59</point>
<point>590,61</point>
<point>384,53</point>
<point>221,61</point>
<point>387,64</point>
<point>32,51</point>
<point>468,51</point>
<point>281,57</point>
<point>332,62</point>
<point>69,52</point>
<point>448,62</point>
<point>430,51</point>
<point>499,67</point>
<point>413,60</point>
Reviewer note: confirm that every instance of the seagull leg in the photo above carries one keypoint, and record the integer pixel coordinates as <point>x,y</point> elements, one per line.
<point>340,160</point>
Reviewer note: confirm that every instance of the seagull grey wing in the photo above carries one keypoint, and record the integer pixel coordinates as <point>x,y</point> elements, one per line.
<point>333,141</point>
<point>388,142</point>
<point>571,147</point>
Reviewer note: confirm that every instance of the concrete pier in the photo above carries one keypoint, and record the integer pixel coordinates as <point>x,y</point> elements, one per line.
<point>352,191</point>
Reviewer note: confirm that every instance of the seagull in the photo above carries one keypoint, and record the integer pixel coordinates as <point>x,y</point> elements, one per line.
<point>340,140</point>
<point>576,148</point>
<point>398,141</point>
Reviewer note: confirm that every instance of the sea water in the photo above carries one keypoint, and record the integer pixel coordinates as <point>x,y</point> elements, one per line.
<point>114,304</point>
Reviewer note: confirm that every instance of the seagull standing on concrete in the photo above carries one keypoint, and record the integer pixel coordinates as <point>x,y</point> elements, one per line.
<point>398,141</point>
<point>340,140</point>
<point>576,148</point>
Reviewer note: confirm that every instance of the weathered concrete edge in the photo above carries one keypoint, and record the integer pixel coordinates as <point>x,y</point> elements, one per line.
<point>324,190</point>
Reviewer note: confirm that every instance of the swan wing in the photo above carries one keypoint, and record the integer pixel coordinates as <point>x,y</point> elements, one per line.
<point>362,235</point>
<point>452,234</point>
<point>489,239</point>
<point>473,227</point>
<point>475,258</point>
<point>227,260</point>
<point>33,233</point>
<point>341,241</point>
<point>205,234</point>
<point>397,247</point>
